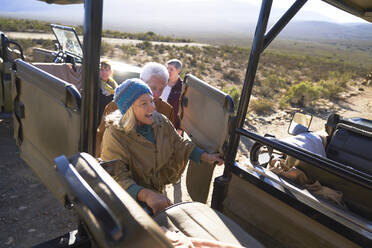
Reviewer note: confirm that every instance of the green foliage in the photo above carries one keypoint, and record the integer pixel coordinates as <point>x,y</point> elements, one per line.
<point>129,50</point>
<point>330,89</point>
<point>302,94</point>
<point>106,48</point>
<point>271,85</point>
<point>217,66</point>
<point>341,78</point>
<point>234,92</point>
<point>149,36</point>
<point>21,25</point>
<point>145,45</point>
<point>260,106</point>
<point>29,43</point>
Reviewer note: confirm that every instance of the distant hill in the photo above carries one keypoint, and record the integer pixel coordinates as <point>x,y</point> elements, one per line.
<point>315,30</point>
<point>229,21</point>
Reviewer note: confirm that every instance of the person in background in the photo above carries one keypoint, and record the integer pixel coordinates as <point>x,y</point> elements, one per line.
<point>107,86</point>
<point>156,76</point>
<point>150,152</point>
<point>172,91</point>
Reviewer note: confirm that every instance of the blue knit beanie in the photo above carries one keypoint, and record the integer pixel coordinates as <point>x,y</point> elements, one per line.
<point>128,92</point>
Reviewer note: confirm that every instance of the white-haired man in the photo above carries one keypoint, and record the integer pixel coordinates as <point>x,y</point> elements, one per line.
<point>156,76</point>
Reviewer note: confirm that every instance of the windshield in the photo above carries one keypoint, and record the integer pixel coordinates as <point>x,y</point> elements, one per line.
<point>68,40</point>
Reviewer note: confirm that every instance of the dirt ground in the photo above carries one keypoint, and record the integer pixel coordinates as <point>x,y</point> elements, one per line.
<point>29,214</point>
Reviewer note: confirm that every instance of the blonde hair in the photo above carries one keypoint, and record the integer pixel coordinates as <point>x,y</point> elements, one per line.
<point>124,122</point>
<point>128,120</point>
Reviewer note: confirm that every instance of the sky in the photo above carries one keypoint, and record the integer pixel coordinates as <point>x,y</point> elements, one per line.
<point>328,12</point>
<point>175,16</point>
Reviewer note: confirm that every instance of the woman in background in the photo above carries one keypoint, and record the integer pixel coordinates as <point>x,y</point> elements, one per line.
<point>107,86</point>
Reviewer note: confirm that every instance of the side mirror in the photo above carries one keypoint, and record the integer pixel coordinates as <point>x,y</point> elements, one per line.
<point>300,123</point>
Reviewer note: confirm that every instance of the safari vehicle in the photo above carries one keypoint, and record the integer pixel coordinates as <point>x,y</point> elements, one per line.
<point>64,62</point>
<point>249,206</point>
<point>68,50</point>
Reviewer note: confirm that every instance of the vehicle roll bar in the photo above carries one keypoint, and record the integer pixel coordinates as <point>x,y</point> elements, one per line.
<point>91,57</point>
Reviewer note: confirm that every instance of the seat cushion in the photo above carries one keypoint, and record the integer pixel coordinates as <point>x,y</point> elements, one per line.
<point>197,220</point>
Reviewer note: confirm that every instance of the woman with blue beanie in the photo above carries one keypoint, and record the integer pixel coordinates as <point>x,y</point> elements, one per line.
<point>150,151</point>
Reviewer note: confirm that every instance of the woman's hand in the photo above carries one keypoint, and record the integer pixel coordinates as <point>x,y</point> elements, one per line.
<point>212,158</point>
<point>157,202</point>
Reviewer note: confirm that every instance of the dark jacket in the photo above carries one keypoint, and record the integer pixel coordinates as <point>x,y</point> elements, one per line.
<point>174,100</point>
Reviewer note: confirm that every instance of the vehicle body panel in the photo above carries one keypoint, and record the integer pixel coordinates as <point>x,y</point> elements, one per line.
<point>275,219</point>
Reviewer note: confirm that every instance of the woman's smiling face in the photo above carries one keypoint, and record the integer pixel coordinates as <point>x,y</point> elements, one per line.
<point>143,109</point>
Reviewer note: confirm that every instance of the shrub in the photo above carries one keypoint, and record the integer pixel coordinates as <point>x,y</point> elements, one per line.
<point>330,89</point>
<point>260,106</point>
<point>106,48</point>
<point>217,66</point>
<point>341,78</point>
<point>234,92</point>
<point>28,43</point>
<point>129,50</point>
<point>302,94</point>
<point>145,45</point>
<point>271,85</point>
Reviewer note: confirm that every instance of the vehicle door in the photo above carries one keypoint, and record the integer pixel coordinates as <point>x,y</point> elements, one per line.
<point>205,113</point>
<point>46,119</point>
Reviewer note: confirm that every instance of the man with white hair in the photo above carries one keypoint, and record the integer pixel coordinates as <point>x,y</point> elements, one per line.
<point>156,76</point>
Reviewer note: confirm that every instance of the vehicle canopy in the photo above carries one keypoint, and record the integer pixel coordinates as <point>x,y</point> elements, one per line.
<point>360,8</point>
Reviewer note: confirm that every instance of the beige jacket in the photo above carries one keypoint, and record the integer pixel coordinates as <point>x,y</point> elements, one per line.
<point>161,106</point>
<point>149,165</point>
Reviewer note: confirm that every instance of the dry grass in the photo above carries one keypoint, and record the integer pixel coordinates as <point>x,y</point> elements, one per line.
<point>282,80</point>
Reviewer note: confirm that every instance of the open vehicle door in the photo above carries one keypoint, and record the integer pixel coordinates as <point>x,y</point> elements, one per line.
<point>46,111</point>
<point>205,116</point>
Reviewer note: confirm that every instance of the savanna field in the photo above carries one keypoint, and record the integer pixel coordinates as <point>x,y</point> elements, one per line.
<point>291,73</point>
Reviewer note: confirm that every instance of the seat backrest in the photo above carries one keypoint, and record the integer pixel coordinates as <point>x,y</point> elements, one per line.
<point>351,146</point>
<point>47,119</point>
<point>42,55</point>
<point>64,71</point>
<point>112,217</point>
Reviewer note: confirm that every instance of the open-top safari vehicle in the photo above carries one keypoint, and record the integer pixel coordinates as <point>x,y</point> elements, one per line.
<point>53,121</point>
